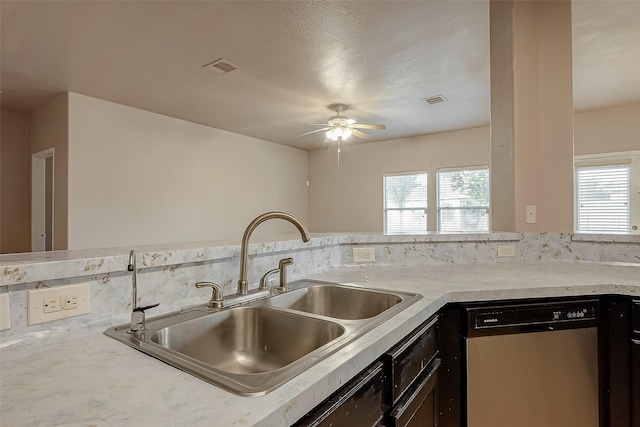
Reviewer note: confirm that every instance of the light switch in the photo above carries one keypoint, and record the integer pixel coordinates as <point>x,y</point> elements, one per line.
<point>530,214</point>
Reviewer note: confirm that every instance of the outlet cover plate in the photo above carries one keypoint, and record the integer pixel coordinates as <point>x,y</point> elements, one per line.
<point>506,250</point>
<point>36,299</point>
<point>5,313</point>
<point>364,254</point>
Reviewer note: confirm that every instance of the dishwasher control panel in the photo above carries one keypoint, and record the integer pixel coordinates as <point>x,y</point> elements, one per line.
<point>531,314</point>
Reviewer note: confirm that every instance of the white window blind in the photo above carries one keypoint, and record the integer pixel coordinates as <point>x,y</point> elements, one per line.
<point>405,203</point>
<point>603,198</point>
<point>463,200</point>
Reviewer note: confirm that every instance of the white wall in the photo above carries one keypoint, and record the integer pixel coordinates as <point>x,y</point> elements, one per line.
<point>137,177</point>
<point>607,130</point>
<point>15,179</point>
<point>351,200</point>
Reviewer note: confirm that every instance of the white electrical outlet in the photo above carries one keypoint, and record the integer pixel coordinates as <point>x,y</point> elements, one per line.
<point>60,302</point>
<point>364,254</point>
<point>5,313</point>
<point>51,304</point>
<point>506,250</point>
<point>69,302</point>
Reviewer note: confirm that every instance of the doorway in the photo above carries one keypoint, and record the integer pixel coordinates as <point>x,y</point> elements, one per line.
<point>42,200</point>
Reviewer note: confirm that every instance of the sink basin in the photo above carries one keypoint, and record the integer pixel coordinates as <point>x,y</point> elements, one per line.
<point>252,347</point>
<point>339,302</point>
<point>248,340</point>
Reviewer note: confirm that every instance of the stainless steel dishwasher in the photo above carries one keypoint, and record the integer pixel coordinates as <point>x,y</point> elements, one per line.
<point>533,365</point>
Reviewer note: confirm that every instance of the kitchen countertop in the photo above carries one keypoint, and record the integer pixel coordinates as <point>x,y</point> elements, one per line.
<point>83,378</point>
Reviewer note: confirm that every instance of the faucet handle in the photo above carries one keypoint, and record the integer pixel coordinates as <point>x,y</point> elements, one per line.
<point>264,284</point>
<point>146,307</point>
<point>138,318</point>
<point>217,297</point>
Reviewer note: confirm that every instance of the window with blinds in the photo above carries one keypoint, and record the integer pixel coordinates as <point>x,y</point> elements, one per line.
<point>603,198</point>
<point>463,200</point>
<point>405,203</point>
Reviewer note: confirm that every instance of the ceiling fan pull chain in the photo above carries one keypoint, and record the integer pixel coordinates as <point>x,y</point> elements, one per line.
<point>339,147</point>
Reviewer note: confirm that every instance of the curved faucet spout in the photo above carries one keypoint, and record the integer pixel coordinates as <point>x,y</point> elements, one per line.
<point>243,285</point>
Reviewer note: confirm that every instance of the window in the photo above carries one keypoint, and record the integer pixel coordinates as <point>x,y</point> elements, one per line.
<point>405,203</point>
<point>603,198</point>
<point>463,200</point>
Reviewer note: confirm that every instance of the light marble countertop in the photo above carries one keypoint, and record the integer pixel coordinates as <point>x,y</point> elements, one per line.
<point>83,378</point>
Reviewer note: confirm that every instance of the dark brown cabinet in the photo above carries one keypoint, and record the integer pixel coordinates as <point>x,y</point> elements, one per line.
<point>409,358</point>
<point>412,384</point>
<point>400,390</point>
<point>635,388</point>
<point>358,404</point>
<point>419,408</point>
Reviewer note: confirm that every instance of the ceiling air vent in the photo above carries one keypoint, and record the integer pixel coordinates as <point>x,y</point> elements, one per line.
<point>221,66</point>
<point>436,99</point>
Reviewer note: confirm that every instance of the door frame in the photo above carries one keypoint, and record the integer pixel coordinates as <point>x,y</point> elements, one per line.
<point>38,199</point>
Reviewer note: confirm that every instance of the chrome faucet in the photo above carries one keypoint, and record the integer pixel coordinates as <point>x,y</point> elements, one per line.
<point>243,285</point>
<point>137,313</point>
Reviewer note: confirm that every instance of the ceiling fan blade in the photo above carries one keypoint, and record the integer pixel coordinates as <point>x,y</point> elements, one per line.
<point>366,126</point>
<point>313,131</point>
<point>317,124</point>
<point>359,134</point>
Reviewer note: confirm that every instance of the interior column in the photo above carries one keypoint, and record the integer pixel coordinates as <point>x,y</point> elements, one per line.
<point>531,115</point>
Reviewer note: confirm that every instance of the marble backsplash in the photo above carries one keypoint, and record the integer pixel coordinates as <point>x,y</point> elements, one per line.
<point>167,274</point>
<point>478,248</point>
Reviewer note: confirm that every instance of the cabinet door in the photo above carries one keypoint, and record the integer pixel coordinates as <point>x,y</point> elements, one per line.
<point>358,404</point>
<point>419,408</point>
<point>409,358</point>
<point>635,385</point>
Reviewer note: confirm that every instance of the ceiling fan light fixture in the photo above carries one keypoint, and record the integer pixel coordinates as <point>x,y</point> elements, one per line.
<point>338,132</point>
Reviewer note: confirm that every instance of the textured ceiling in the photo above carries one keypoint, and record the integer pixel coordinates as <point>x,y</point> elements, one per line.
<point>295,57</point>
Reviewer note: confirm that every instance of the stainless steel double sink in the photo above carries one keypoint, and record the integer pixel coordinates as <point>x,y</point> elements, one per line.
<point>253,347</point>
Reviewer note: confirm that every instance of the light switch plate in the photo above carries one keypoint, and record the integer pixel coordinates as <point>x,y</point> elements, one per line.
<point>5,312</point>
<point>530,214</point>
<point>72,300</point>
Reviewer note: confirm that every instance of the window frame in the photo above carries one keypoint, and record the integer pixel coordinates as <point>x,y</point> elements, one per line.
<point>631,158</point>
<point>385,210</point>
<point>487,207</point>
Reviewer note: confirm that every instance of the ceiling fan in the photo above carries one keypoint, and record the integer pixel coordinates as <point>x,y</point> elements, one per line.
<point>339,127</point>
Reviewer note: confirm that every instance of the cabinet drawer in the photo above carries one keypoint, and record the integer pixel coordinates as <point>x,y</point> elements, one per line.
<point>409,358</point>
<point>358,404</point>
<point>419,407</point>
<point>636,317</point>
